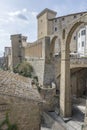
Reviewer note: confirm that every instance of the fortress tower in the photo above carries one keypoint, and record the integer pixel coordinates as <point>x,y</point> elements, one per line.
<point>18,43</point>
<point>44,23</point>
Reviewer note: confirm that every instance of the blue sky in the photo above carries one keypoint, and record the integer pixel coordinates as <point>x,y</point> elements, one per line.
<point>19,16</point>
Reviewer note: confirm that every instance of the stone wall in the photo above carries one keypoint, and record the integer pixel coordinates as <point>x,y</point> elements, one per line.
<point>38,62</point>
<point>24,113</point>
<point>52,71</point>
<point>38,66</point>
<point>34,50</point>
<point>78,76</point>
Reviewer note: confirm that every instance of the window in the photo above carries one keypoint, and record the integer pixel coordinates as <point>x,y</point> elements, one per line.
<point>83,32</point>
<point>81,14</point>
<point>82,43</point>
<point>74,37</point>
<point>41,20</point>
<point>55,20</point>
<point>75,16</point>
<point>63,36</point>
<point>55,28</point>
<point>19,40</point>
<point>62,19</point>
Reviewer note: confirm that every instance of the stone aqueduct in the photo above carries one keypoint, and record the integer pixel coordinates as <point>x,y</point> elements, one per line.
<point>65,38</point>
<point>38,53</point>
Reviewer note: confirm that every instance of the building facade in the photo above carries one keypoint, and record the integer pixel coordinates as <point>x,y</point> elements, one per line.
<point>82,42</point>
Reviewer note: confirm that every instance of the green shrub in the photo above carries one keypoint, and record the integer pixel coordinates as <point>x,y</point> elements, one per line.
<point>24,69</point>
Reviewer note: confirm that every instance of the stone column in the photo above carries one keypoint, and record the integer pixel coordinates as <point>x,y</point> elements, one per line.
<point>65,88</point>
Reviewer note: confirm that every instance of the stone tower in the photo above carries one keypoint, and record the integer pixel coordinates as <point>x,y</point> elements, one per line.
<point>18,43</point>
<point>44,22</point>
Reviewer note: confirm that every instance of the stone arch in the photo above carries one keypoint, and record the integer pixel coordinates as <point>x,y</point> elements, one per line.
<point>69,36</point>
<point>52,45</point>
<point>65,88</point>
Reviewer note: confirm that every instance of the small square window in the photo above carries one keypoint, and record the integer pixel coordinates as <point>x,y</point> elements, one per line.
<point>74,37</point>
<point>19,40</point>
<point>75,16</point>
<point>83,32</point>
<point>41,20</point>
<point>63,19</point>
<point>81,14</point>
<point>55,28</point>
<point>55,20</point>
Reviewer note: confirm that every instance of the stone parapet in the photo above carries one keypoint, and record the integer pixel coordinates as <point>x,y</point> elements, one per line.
<point>48,95</point>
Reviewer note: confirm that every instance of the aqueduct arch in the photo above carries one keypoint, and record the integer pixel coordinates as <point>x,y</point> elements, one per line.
<point>53,43</point>
<point>65,88</point>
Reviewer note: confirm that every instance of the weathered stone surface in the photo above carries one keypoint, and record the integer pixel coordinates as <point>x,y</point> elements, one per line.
<point>20,101</point>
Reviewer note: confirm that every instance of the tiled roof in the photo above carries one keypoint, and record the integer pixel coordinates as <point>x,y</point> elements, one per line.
<point>15,85</point>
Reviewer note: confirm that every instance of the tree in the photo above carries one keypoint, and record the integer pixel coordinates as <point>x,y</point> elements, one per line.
<point>24,69</point>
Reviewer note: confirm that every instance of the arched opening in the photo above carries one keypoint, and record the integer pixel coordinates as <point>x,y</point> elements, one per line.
<point>55,47</point>
<point>69,37</point>
<point>70,34</point>
<point>78,82</point>
<point>65,88</point>
<point>65,63</point>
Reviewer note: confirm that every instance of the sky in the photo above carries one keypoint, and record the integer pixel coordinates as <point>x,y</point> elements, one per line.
<point>19,16</point>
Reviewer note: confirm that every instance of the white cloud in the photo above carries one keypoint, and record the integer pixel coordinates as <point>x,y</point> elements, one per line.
<point>23,14</point>
<point>1,53</point>
<point>18,21</point>
<point>24,10</point>
<point>18,14</point>
<point>14,13</point>
<point>34,14</point>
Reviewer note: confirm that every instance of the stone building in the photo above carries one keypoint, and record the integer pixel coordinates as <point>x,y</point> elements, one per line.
<point>82,42</point>
<point>8,58</point>
<point>1,62</point>
<point>18,42</point>
<point>55,54</point>
<point>20,101</point>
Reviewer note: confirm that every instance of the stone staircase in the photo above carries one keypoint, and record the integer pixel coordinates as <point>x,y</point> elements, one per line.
<point>52,122</point>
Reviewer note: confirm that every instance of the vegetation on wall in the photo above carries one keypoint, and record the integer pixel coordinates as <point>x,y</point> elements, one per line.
<point>8,124</point>
<point>24,69</point>
<point>36,83</point>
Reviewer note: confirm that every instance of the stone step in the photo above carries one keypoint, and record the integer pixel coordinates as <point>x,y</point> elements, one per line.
<point>52,123</point>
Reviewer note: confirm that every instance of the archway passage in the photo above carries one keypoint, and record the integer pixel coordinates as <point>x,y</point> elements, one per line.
<point>78,82</point>
<point>65,88</point>
<point>55,46</point>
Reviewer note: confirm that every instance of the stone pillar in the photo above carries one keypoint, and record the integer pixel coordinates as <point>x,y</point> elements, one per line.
<point>45,47</point>
<point>65,88</point>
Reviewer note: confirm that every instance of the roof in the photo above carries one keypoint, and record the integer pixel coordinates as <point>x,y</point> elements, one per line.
<point>17,86</point>
<point>69,15</point>
<point>46,10</point>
